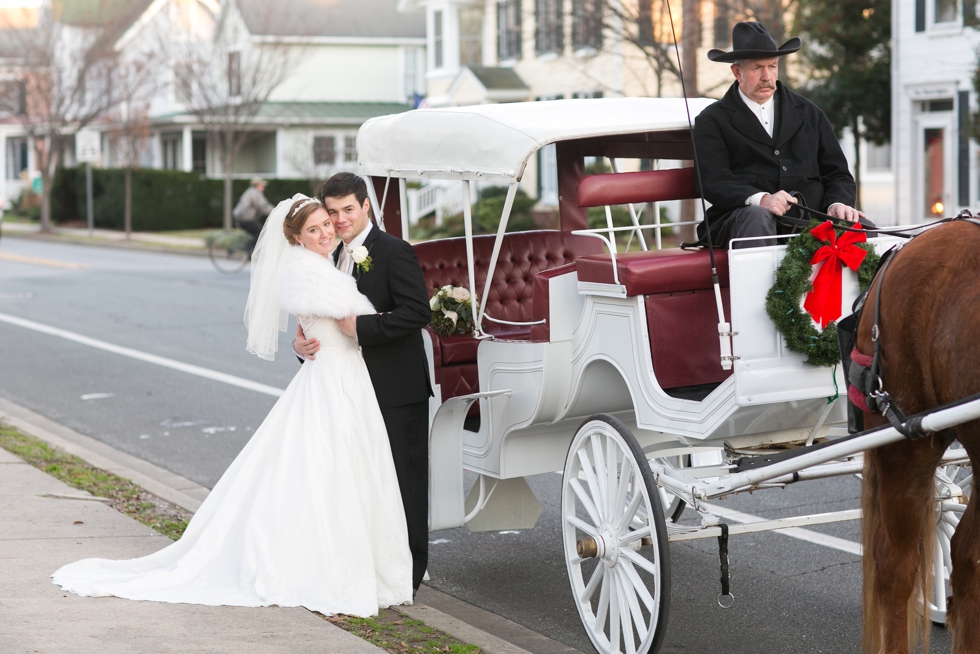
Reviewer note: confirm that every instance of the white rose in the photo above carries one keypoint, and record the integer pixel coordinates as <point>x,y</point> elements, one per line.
<point>447,289</point>
<point>434,302</point>
<point>359,254</point>
<point>460,294</point>
<point>452,315</point>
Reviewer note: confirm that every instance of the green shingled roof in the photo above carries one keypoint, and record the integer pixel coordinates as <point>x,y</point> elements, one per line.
<point>315,112</point>
<point>498,79</point>
<point>330,110</point>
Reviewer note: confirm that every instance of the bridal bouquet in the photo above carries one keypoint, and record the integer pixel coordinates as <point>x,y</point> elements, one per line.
<point>451,311</point>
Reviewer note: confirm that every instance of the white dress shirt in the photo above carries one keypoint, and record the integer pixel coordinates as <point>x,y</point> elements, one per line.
<point>345,262</point>
<point>766,113</point>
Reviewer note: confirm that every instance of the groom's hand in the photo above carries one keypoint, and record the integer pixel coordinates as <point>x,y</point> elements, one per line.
<point>348,325</point>
<point>305,347</point>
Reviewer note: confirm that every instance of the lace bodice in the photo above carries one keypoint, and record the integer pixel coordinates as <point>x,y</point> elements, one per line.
<point>327,332</point>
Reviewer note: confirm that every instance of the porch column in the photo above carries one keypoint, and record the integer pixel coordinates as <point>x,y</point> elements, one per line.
<point>4,204</point>
<point>156,150</point>
<point>282,169</point>
<point>187,151</point>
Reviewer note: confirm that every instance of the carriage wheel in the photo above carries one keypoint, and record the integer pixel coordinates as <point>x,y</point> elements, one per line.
<point>618,568</point>
<point>948,519</point>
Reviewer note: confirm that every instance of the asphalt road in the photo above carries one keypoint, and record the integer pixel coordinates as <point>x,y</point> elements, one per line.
<point>792,596</point>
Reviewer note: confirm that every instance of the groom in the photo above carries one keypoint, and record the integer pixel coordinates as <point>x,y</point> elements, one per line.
<point>391,342</point>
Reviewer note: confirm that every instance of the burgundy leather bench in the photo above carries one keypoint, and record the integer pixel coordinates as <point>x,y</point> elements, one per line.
<point>682,317</point>
<point>518,292</point>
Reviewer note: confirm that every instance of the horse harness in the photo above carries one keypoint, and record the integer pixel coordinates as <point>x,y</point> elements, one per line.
<point>864,374</point>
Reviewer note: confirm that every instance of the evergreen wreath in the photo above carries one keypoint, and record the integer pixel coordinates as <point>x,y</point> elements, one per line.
<point>783,302</point>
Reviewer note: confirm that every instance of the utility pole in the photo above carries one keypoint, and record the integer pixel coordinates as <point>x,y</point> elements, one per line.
<point>690,42</point>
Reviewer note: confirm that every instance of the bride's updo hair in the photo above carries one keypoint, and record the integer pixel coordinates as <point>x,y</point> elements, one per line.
<point>296,218</point>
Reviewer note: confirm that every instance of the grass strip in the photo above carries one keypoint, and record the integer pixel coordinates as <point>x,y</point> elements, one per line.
<point>123,495</point>
<point>390,631</point>
<point>397,634</point>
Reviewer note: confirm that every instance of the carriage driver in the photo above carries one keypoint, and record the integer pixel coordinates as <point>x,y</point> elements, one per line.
<point>761,143</point>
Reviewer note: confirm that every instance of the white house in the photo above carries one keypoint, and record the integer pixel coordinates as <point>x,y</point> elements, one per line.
<point>934,59</point>
<point>348,61</point>
<point>16,151</point>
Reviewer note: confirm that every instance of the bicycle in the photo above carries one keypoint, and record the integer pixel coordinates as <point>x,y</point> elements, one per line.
<point>229,250</point>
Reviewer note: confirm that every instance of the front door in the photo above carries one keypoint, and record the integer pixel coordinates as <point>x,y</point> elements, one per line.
<point>934,166</point>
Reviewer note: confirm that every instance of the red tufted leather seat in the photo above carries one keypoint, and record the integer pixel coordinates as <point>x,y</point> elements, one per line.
<point>522,256</point>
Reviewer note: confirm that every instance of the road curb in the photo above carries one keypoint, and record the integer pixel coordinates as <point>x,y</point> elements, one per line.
<point>119,245</point>
<point>189,495</point>
<point>164,484</point>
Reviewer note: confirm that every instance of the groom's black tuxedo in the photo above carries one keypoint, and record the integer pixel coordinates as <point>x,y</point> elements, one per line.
<point>391,341</point>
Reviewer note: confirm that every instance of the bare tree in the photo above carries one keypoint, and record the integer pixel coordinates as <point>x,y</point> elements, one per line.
<point>225,81</point>
<point>129,137</point>
<point>66,82</point>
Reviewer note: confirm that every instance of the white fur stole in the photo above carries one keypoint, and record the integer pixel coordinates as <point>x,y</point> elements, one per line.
<point>310,285</point>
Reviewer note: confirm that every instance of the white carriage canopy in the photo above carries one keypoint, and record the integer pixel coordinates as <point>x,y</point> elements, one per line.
<point>494,142</point>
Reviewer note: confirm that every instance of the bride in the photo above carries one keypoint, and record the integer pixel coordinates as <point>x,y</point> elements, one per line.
<point>309,513</point>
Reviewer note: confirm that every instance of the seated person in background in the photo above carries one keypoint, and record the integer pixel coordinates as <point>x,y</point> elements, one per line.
<point>762,142</point>
<point>252,210</point>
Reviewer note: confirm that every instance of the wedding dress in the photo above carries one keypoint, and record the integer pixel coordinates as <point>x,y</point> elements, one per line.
<point>309,513</point>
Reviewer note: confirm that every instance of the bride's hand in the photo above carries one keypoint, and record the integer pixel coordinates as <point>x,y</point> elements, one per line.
<point>306,347</point>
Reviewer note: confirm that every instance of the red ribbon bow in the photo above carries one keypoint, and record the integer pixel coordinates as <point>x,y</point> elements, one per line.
<point>824,301</point>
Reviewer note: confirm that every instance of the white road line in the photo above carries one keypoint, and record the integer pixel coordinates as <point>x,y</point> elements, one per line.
<point>144,356</point>
<point>800,533</point>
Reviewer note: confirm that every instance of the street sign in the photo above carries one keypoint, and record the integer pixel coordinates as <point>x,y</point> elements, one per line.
<point>88,146</point>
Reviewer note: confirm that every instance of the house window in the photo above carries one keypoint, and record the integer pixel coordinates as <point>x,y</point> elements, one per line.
<point>171,151</point>
<point>509,30</point>
<point>471,36</point>
<point>16,157</point>
<point>587,24</point>
<point>183,81</point>
<point>585,95</point>
<point>723,24</point>
<point>234,74</point>
<point>437,39</point>
<point>13,97</point>
<point>199,155</point>
<point>945,11</point>
<point>350,149</point>
<point>879,157</point>
<point>324,150</point>
<point>413,67</point>
<point>549,36</point>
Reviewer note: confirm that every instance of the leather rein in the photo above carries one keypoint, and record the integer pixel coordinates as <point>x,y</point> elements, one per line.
<point>868,379</point>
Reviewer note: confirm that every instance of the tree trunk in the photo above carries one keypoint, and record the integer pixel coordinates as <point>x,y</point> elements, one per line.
<point>229,165</point>
<point>857,166</point>
<point>45,204</point>
<point>128,210</point>
<point>690,41</point>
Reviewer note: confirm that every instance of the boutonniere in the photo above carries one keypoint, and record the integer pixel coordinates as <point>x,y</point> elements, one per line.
<point>362,259</point>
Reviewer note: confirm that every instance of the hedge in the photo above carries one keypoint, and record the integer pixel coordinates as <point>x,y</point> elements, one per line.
<point>162,199</point>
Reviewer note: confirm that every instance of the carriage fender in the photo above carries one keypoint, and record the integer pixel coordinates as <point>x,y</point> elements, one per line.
<point>446,500</point>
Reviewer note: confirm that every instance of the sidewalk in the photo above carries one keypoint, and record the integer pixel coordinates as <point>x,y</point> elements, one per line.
<point>113,238</point>
<point>47,524</point>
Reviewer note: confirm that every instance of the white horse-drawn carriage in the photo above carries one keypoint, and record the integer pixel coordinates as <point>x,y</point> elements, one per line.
<point>612,366</point>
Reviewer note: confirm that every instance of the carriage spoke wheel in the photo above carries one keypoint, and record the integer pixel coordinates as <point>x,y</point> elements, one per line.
<point>948,516</point>
<point>618,565</point>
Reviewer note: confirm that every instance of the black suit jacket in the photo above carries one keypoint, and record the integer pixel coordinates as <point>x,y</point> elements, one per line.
<point>391,340</point>
<point>737,158</point>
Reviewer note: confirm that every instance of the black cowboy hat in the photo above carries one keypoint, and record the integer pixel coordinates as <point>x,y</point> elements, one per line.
<point>752,41</point>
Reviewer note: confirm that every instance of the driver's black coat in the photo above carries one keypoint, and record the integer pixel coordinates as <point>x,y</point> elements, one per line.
<point>737,158</point>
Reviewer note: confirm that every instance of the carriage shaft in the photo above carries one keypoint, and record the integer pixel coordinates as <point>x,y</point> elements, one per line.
<point>936,421</point>
<point>675,534</point>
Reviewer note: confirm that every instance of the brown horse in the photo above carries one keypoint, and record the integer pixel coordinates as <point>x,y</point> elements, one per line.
<point>930,323</point>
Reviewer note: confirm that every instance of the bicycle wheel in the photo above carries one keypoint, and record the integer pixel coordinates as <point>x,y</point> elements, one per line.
<point>227,250</point>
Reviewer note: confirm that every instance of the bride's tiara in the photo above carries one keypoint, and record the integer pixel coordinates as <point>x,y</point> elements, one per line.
<point>305,203</point>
